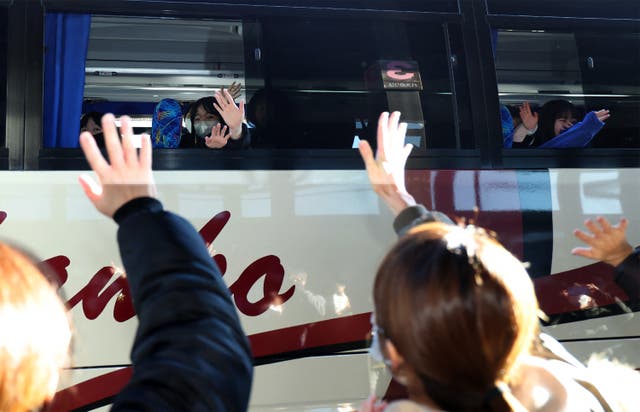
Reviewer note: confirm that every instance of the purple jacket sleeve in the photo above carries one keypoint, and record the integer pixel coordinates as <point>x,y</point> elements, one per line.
<point>580,135</point>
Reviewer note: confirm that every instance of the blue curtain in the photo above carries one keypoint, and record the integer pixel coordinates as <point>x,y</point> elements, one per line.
<point>66,42</point>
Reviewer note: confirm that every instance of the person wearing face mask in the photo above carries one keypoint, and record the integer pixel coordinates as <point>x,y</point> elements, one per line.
<point>216,123</point>
<point>557,126</point>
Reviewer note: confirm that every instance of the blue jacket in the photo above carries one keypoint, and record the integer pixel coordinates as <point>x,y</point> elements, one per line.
<point>189,353</point>
<point>579,135</point>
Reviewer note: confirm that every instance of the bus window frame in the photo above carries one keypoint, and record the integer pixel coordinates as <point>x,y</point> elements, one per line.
<point>25,140</point>
<point>575,157</point>
<point>252,159</point>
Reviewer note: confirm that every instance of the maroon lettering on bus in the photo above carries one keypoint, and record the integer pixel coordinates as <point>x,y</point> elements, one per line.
<point>95,295</point>
<point>272,270</point>
<point>94,302</point>
<point>3,216</point>
<point>55,269</point>
<point>214,226</point>
<point>221,261</point>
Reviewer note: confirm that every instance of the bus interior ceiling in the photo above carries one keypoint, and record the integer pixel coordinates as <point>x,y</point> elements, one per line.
<point>149,59</point>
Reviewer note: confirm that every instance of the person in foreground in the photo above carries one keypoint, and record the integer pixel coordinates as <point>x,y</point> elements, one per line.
<point>456,315</point>
<point>190,352</point>
<point>35,333</point>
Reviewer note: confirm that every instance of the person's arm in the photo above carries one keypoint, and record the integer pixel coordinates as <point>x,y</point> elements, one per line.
<point>581,134</point>
<point>608,243</point>
<point>244,142</point>
<point>386,174</point>
<point>190,352</point>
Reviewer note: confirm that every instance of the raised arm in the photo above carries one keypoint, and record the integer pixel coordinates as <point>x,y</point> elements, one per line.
<point>387,175</point>
<point>386,170</point>
<point>608,243</point>
<point>190,353</point>
<point>232,114</point>
<point>605,242</point>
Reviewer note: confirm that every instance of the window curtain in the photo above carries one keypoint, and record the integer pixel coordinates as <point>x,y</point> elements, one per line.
<point>66,42</point>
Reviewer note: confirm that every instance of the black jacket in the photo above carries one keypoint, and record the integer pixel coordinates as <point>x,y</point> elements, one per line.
<point>190,353</point>
<point>627,275</point>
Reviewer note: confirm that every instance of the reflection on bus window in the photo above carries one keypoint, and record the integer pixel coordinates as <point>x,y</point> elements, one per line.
<point>564,90</point>
<point>4,23</point>
<point>323,91</point>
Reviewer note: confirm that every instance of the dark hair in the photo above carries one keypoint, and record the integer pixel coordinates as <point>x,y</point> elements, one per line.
<point>96,116</point>
<point>460,310</point>
<point>549,113</point>
<point>207,104</point>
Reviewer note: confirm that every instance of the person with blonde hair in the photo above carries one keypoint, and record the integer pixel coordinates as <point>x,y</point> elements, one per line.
<point>456,315</point>
<point>35,333</point>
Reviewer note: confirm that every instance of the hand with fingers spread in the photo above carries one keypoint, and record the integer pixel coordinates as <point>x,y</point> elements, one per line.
<point>603,114</point>
<point>126,176</point>
<point>232,114</point>
<point>234,89</point>
<point>529,118</point>
<point>386,170</point>
<point>218,139</point>
<point>605,242</point>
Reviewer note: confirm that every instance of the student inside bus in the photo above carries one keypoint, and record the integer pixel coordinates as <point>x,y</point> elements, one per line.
<point>440,276</point>
<point>555,126</point>
<point>216,122</point>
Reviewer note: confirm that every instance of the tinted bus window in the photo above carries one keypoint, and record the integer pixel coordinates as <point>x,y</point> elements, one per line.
<point>621,9</point>
<point>156,59</point>
<point>308,83</point>
<point>3,73</point>
<point>337,76</point>
<point>574,73</point>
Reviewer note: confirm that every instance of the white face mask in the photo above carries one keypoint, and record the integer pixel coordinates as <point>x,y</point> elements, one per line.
<point>203,128</point>
<point>374,349</point>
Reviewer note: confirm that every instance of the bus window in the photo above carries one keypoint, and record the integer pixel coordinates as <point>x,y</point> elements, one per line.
<point>334,80</point>
<point>133,63</point>
<point>324,90</point>
<point>573,73</point>
<point>4,22</point>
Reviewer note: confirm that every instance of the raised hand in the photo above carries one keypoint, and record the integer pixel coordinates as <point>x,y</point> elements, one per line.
<point>529,118</point>
<point>386,170</point>
<point>232,114</point>
<point>126,176</point>
<point>234,89</point>
<point>606,242</point>
<point>218,139</point>
<point>602,114</point>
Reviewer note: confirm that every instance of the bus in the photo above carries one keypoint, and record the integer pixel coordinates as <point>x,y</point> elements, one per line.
<point>292,220</point>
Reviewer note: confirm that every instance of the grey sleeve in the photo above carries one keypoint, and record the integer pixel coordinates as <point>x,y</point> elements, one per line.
<point>415,215</point>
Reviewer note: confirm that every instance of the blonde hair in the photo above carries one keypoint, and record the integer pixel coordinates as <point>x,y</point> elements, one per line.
<point>35,333</point>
